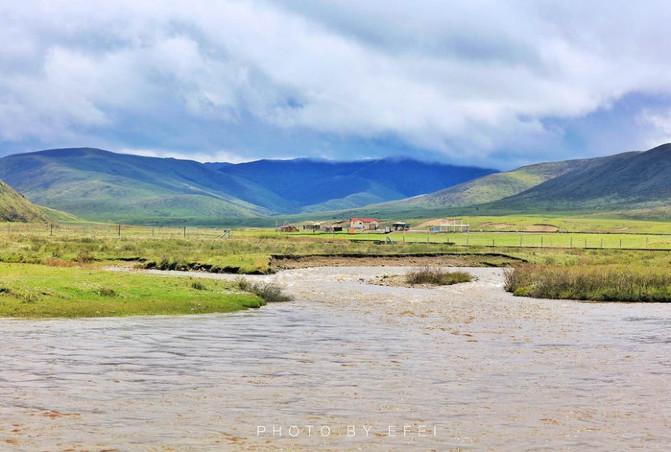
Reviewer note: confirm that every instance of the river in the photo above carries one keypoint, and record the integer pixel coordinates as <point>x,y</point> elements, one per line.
<point>348,365</point>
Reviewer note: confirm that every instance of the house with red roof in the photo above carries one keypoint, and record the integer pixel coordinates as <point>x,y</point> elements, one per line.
<point>364,224</point>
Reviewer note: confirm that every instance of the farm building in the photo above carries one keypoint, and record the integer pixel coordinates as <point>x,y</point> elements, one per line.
<point>400,226</point>
<point>312,227</point>
<point>287,228</point>
<point>337,226</point>
<point>364,224</point>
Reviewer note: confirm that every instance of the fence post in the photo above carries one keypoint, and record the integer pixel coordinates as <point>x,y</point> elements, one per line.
<point>51,229</point>
<point>118,232</point>
<point>184,231</point>
<point>541,241</point>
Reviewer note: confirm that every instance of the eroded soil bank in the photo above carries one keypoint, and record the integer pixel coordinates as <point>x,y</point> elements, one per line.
<point>289,262</point>
<point>480,368</point>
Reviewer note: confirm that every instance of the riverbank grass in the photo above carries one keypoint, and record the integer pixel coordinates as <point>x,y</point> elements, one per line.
<point>38,291</point>
<point>592,283</point>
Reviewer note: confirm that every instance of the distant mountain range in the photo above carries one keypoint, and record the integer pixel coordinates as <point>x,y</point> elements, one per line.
<point>317,185</point>
<point>630,184</point>
<point>100,185</point>
<point>494,186</point>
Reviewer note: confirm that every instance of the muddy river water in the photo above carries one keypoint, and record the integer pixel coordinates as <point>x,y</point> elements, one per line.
<point>348,365</point>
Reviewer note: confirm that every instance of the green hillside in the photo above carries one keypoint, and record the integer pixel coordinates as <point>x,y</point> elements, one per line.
<point>634,181</point>
<point>100,185</point>
<point>15,207</point>
<point>492,187</point>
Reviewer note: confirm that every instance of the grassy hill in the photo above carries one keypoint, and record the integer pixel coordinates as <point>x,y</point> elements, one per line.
<point>491,187</point>
<point>639,181</point>
<point>632,184</point>
<point>15,207</point>
<point>307,185</point>
<point>100,185</point>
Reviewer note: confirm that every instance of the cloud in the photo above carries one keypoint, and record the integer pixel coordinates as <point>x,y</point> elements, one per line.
<point>472,81</point>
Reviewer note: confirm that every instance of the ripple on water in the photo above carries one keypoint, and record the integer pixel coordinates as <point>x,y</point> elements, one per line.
<point>537,374</point>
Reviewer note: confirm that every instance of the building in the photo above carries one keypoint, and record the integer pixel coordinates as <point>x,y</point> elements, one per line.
<point>400,226</point>
<point>287,228</point>
<point>364,224</point>
<point>336,226</point>
<point>312,227</point>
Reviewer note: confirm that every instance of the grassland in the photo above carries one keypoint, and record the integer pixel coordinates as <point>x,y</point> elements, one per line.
<point>58,271</point>
<point>43,291</point>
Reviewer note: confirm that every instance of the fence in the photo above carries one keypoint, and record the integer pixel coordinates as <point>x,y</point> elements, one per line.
<point>111,231</point>
<point>577,240</point>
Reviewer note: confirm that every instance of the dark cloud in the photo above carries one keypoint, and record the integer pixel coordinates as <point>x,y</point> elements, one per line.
<point>491,83</point>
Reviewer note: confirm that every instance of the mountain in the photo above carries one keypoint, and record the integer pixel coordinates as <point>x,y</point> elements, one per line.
<point>15,207</point>
<point>314,185</point>
<point>492,187</point>
<point>100,185</point>
<point>632,180</point>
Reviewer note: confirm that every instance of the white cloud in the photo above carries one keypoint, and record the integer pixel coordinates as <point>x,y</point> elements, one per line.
<point>214,156</point>
<point>463,78</point>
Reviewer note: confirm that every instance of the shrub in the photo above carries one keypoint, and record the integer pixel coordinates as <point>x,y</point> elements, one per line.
<point>267,291</point>
<point>197,285</point>
<point>430,275</point>
<point>106,292</point>
<point>84,257</point>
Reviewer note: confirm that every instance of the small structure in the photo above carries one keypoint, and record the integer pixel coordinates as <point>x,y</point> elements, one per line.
<point>287,228</point>
<point>336,226</point>
<point>455,225</point>
<point>364,224</point>
<point>312,227</point>
<point>400,226</point>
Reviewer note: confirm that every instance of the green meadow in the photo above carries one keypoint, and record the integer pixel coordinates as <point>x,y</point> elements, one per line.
<point>60,270</point>
<point>33,291</point>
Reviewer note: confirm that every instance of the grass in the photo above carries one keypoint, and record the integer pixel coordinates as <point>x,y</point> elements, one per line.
<point>269,292</point>
<point>33,291</point>
<point>595,283</point>
<point>64,279</point>
<point>436,276</point>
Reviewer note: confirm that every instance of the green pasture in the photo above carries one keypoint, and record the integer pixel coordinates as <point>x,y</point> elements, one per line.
<point>46,291</point>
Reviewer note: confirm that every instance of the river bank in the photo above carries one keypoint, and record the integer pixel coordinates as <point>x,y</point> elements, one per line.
<point>486,369</point>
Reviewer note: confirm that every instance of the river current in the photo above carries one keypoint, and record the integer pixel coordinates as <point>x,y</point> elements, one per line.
<point>348,365</point>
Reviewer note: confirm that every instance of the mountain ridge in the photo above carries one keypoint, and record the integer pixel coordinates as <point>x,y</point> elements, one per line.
<point>103,185</point>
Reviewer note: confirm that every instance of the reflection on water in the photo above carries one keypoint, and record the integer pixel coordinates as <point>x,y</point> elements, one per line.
<point>484,369</point>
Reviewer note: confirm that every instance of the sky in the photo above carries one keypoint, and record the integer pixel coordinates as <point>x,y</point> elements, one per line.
<point>486,83</point>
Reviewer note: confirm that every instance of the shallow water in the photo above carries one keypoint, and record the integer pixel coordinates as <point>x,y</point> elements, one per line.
<point>474,366</point>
